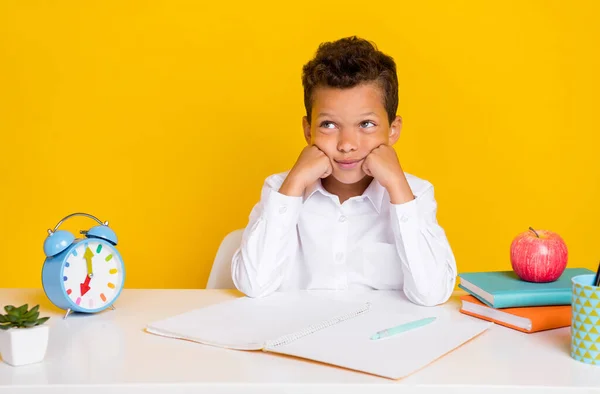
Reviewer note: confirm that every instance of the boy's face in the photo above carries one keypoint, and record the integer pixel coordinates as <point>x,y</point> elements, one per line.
<point>347,124</point>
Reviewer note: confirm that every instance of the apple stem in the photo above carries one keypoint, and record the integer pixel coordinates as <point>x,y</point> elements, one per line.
<point>536,234</point>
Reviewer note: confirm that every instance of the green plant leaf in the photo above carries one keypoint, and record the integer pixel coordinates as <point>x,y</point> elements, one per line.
<point>22,309</point>
<point>8,308</point>
<point>12,318</point>
<point>30,323</point>
<point>32,312</point>
<point>33,317</point>
<point>4,326</point>
<point>3,319</point>
<point>41,320</point>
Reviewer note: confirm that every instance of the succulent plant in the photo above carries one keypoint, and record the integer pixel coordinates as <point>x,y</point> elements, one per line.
<point>21,317</point>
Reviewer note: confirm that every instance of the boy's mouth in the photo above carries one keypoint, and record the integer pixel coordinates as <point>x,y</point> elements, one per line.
<point>348,164</point>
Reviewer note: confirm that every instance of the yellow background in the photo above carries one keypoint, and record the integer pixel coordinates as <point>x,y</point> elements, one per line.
<point>164,118</point>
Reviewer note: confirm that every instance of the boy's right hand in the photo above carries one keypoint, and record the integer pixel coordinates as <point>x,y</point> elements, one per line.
<point>311,165</point>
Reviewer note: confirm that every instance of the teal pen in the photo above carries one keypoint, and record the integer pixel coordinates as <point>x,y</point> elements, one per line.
<point>402,328</point>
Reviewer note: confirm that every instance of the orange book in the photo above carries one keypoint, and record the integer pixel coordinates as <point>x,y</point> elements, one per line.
<point>525,319</point>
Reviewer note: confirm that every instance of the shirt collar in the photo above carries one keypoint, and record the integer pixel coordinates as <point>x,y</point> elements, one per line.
<point>374,193</point>
<point>315,186</point>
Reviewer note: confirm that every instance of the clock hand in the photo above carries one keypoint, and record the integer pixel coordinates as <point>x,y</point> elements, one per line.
<point>88,260</point>
<point>85,286</point>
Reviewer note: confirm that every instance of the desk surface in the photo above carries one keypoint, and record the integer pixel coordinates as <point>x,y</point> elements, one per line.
<point>90,353</point>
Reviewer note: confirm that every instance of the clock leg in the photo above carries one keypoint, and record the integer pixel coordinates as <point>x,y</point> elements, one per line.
<point>68,313</point>
<point>112,307</point>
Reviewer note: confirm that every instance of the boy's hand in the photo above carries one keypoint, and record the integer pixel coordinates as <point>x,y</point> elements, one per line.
<point>311,165</point>
<point>382,164</point>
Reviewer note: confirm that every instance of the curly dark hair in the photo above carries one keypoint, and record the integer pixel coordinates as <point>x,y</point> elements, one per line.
<point>349,62</point>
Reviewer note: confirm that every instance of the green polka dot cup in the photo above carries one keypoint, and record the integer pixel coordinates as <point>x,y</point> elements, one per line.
<point>585,320</point>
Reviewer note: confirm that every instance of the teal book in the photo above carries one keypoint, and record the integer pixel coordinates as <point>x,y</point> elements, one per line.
<point>504,289</point>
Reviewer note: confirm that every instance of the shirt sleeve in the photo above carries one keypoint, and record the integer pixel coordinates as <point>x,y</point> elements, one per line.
<point>427,259</point>
<point>268,242</point>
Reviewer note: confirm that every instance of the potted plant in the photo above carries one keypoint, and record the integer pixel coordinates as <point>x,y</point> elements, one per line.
<point>23,335</point>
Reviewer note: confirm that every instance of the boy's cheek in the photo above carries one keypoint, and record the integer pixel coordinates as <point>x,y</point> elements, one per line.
<point>323,145</point>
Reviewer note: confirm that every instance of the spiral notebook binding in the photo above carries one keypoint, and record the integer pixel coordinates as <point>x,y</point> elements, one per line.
<point>287,339</point>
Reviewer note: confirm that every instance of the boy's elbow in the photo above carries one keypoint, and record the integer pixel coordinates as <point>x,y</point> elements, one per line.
<point>436,293</point>
<point>246,283</point>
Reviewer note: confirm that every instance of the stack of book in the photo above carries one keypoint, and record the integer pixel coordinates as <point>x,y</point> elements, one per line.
<point>503,298</point>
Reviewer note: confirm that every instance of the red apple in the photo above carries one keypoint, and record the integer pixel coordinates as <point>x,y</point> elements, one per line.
<point>538,256</point>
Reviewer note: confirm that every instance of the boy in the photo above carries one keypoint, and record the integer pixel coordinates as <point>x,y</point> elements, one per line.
<point>346,215</point>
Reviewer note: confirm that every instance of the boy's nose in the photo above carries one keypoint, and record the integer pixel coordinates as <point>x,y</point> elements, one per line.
<point>347,141</point>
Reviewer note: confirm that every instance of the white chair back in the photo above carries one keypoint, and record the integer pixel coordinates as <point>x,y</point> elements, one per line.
<point>220,273</point>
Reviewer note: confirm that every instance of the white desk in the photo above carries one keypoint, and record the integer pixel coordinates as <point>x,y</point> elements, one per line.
<point>94,353</point>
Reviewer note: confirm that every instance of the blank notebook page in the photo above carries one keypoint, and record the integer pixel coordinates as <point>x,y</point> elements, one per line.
<point>248,323</point>
<point>348,343</point>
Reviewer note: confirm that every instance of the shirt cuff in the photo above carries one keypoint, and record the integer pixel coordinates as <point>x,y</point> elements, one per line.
<point>281,209</point>
<point>406,213</point>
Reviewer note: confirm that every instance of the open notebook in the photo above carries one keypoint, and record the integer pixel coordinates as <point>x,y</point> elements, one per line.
<point>323,329</point>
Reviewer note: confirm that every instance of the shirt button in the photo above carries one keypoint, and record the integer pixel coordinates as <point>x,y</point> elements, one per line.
<point>339,256</point>
<point>342,218</point>
<point>283,210</point>
<point>404,218</point>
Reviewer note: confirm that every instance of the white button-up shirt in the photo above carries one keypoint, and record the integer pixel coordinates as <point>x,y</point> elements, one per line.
<point>314,242</point>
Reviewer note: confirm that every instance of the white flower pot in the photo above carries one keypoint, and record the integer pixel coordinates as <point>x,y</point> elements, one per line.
<point>21,346</point>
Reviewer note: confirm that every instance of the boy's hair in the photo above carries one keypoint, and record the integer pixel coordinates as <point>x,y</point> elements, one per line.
<point>349,62</point>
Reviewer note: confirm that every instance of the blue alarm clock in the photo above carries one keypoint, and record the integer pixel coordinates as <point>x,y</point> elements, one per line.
<point>82,274</point>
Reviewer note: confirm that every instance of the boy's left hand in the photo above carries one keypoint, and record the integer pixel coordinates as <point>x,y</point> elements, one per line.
<point>383,164</point>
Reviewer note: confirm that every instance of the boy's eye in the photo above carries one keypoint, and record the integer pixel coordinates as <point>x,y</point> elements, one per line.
<point>367,124</point>
<point>327,125</point>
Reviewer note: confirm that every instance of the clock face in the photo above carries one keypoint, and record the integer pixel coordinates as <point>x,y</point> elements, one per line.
<point>93,274</point>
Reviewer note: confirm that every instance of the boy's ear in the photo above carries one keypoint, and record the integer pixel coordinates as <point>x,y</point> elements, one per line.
<point>306,127</point>
<point>395,129</point>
